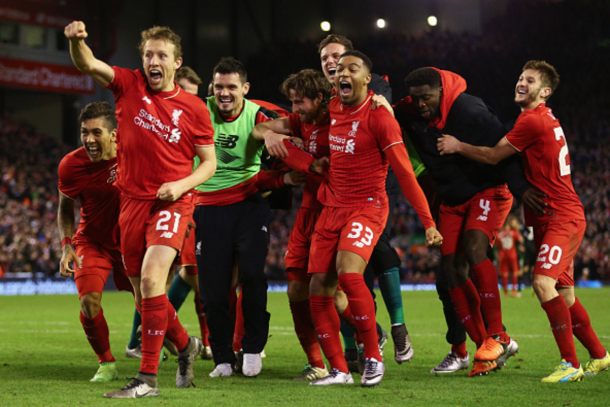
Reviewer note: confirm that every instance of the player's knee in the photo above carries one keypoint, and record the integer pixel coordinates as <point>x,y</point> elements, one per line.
<point>91,304</point>
<point>297,291</point>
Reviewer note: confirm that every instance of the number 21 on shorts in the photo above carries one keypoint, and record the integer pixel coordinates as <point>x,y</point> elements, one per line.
<point>356,232</point>
<point>164,222</point>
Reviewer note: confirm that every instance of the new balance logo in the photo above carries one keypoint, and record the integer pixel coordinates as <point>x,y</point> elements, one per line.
<point>146,99</point>
<point>226,140</point>
<point>167,235</point>
<point>546,266</point>
<point>358,244</point>
<point>350,146</point>
<point>482,217</point>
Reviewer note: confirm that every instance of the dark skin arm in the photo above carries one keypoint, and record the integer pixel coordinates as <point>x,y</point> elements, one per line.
<point>532,198</point>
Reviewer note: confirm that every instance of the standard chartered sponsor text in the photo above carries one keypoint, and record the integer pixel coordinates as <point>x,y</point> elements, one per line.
<point>43,76</point>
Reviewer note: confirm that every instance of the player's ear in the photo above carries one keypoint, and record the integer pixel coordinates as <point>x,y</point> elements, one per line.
<point>113,135</point>
<point>545,93</point>
<point>178,63</point>
<point>368,77</point>
<point>319,98</point>
<point>246,88</point>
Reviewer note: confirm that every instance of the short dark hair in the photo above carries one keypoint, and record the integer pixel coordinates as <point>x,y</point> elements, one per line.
<point>98,110</point>
<point>161,33</point>
<point>308,83</point>
<point>337,39</point>
<point>548,74</point>
<point>355,53</point>
<point>185,72</point>
<point>424,76</point>
<point>229,65</point>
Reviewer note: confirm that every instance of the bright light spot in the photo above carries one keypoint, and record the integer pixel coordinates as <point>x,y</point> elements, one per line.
<point>381,23</point>
<point>325,26</point>
<point>432,21</point>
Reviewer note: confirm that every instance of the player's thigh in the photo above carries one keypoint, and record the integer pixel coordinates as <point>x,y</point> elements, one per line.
<point>299,242</point>
<point>361,230</point>
<point>488,210</point>
<point>451,220</point>
<point>96,264</point>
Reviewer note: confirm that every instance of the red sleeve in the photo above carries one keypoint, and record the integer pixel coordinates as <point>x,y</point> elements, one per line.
<point>294,121</point>
<point>298,159</point>
<point>399,160</point>
<point>122,81</point>
<point>269,179</point>
<point>203,130</point>
<point>262,117</point>
<point>385,128</point>
<point>68,182</point>
<point>528,128</point>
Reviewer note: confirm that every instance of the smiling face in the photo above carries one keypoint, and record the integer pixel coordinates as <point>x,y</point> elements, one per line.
<point>351,80</point>
<point>530,91</point>
<point>98,140</point>
<point>426,101</point>
<point>229,92</point>
<point>329,57</point>
<point>160,64</point>
<point>308,110</point>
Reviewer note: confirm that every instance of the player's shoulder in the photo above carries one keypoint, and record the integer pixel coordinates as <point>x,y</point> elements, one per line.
<point>75,158</point>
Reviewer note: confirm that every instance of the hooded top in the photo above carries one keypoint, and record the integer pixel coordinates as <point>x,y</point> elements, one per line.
<point>457,178</point>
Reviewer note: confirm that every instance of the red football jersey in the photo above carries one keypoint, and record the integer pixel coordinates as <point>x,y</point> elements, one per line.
<point>507,242</point>
<point>93,184</point>
<point>156,133</point>
<point>315,140</point>
<point>538,135</point>
<point>358,167</point>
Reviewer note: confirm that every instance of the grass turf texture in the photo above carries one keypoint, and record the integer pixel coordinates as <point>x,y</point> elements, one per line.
<point>45,360</point>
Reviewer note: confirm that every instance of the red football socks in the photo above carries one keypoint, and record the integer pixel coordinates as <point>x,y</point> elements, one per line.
<point>348,317</point>
<point>459,350</point>
<point>582,329</point>
<point>485,278</point>
<point>203,325</point>
<point>561,325</point>
<point>240,331</point>
<point>306,332</point>
<point>154,325</point>
<point>327,323</point>
<point>467,305</point>
<point>363,309</point>
<point>96,330</point>
<point>175,331</point>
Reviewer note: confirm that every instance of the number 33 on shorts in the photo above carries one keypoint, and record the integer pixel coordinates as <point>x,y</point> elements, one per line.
<point>361,239</point>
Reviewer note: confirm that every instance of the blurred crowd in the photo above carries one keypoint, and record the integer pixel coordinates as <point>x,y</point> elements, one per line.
<point>490,63</point>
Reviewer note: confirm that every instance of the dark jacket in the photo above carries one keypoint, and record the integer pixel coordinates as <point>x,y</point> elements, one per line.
<point>457,178</point>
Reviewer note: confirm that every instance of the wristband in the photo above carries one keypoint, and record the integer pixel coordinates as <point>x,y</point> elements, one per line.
<point>65,241</point>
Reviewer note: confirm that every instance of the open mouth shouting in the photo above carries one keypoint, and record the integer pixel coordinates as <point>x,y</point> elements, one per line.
<point>94,151</point>
<point>331,73</point>
<point>155,76</point>
<point>345,88</point>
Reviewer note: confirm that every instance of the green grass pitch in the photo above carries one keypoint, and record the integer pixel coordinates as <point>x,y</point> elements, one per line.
<point>45,360</point>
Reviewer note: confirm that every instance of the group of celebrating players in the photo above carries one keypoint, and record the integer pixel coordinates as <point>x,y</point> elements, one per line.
<point>165,162</point>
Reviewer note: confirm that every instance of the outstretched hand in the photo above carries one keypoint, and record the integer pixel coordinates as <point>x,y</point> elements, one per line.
<point>532,198</point>
<point>447,144</point>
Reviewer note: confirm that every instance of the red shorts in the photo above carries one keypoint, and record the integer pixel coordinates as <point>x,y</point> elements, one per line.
<point>96,263</point>
<point>187,254</point>
<point>557,244</point>
<point>508,264</point>
<point>353,229</point>
<point>486,211</point>
<point>154,222</point>
<point>297,253</point>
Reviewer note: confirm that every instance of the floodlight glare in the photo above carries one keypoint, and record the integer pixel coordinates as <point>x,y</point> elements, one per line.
<point>381,23</point>
<point>432,21</point>
<point>325,25</point>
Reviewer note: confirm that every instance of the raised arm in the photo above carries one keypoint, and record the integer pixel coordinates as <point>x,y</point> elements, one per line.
<point>171,191</point>
<point>273,133</point>
<point>83,57</point>
<point>65,223</point>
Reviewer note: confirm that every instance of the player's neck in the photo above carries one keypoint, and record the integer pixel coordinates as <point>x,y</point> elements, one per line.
<point>533,105</point>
